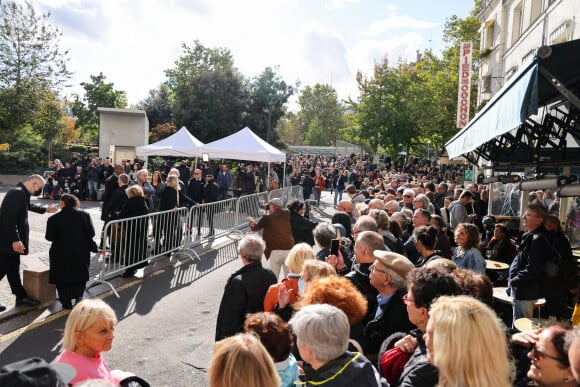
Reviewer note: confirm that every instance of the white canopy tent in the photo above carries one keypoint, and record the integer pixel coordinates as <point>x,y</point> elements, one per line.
<point>181,143</point>
<point>245,145</point>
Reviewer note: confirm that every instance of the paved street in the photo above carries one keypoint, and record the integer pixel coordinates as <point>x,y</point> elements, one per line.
<point>166,320</point>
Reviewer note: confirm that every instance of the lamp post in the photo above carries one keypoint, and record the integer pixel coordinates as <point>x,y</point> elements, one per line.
<point>429,150</point>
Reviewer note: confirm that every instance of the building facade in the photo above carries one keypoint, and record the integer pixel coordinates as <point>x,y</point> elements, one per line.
<point>512,31</point>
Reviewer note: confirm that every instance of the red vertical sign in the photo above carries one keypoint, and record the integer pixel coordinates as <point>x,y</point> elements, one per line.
<point>464,88</point>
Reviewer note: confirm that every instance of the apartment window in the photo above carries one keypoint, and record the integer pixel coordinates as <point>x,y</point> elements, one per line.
<point>536,10</point>
<point>489,32</point>
<point>518,20</point>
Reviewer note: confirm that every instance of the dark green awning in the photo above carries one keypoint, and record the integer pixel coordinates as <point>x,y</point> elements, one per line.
<point>520,98</point>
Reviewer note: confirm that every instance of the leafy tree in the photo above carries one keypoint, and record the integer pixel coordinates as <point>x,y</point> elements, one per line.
<point>208,95</point>
<point>387,105</point>
<point>98,93</point>
<point>161,131</point>
<point>288,128</point>
<point>49,122</point>
<point>70,132</point>
<point>30,62</point>
<point>157,105</point>
<point>268,94</point>
<point>320,117</point>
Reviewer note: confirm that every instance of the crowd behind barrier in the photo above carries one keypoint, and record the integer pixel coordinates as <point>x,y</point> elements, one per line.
<point>130,243</point>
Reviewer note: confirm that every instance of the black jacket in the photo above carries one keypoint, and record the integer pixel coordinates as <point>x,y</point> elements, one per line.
<point>348,370</point>
<point>394,318</point>
<point>195,190</point>
<point>302,229</point>
<point>70,232</point>
<point>111,185</point>
<point>418,372</point>
<point>360,278</point>
<point>211,192</point>
<point>244,293</point>
<point>168,199</point>
<point>14,218</point>
<point>527,269</point>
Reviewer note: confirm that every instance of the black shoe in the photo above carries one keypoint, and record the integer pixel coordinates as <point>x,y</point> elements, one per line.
<point>129,273</point>
<point>2,308</point>
<point>27,301</point>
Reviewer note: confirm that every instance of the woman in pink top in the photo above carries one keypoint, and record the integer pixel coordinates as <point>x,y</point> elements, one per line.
<point>89,330</point>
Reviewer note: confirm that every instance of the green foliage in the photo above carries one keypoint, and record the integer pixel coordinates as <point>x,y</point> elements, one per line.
<point>267,95</point>
<point>321,115</point>
<point>30,62</point>
<point>157,106</point>
<point>208,95</point>
<point>98,93</point>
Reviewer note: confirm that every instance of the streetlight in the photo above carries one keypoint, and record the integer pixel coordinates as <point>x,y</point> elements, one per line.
<point>429,150</point>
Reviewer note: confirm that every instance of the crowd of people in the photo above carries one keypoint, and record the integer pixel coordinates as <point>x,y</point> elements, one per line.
<point>386,293</point>
<point>397,283</point>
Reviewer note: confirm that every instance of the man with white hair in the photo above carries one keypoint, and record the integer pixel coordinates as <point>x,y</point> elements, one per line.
<point>322,337</point>
<point>245,290</point>
<point>388,274</point>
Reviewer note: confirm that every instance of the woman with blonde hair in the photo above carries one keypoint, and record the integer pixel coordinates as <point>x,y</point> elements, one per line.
<point>89,331</point>
<point>466,342</point>
<point>296,258</point>
<point>242,360</point>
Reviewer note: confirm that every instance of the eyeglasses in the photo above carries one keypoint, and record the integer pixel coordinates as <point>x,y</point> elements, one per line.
<point>407,196</point>
<point>407,300</point>
<point>372,269</point>
<point>539,355</point>
<point>528,214</point>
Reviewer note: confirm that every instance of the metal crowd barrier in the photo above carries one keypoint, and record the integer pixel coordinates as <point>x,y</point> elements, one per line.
<point>129,244</point>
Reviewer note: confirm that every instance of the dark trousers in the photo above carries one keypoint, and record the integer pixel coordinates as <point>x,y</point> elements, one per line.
<point>69,291</point>
<point>10,267</point>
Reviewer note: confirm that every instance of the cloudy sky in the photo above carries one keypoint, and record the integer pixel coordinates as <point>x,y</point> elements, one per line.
<point>132,42</point>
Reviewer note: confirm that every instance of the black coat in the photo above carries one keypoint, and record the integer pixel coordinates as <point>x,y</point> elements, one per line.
<point>111,185</point>
<point>244,293</point>
<point>211,192</point>
<point>70,232</point>
<point>169,199</point>
<point>195,190</point>
<point>360,277</point>
<point>527,269</point>
<point>302,229</point>
<point>136,228</point>
<point>14,218</point>
<point>394,318</point>
<point>418,372</point>
<point>117,202</point>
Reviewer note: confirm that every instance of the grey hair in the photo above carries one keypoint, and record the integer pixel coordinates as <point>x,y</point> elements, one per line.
<point>423,198</point>
<point>366,223</point>
<point>324,328</point>
<point>174,171</point>
<point>393,203</point>
<point>396,280</point>
<point>323,233</point>
<point>252,247</point>
<point>145,171</point>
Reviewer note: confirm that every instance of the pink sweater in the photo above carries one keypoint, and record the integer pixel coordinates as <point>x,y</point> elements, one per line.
<point>86,367</point>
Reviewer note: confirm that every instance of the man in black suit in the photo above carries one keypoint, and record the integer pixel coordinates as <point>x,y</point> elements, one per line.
<point>245,290</point>
<point>14,232</point>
